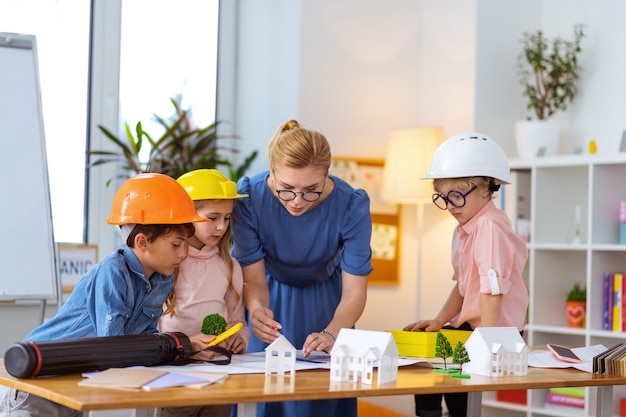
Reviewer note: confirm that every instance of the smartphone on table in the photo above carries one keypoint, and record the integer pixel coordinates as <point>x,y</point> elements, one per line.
<point>563,353</point>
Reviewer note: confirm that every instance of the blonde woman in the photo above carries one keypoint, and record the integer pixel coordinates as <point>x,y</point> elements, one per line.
<point>303,240</point>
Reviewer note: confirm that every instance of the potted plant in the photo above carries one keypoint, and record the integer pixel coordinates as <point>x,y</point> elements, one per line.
<point>183,147</point>
<point>576,306</point>
<point>548,71</point>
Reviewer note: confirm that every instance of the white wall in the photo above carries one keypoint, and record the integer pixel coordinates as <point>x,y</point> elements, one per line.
<point>357,69</point>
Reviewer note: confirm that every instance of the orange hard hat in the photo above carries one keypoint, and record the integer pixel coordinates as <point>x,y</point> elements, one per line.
<point>152,198</point>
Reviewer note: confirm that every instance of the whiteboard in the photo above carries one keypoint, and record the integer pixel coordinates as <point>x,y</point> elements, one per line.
<point>28,254</point>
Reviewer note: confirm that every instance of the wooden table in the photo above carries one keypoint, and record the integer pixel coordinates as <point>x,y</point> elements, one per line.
<point>307,385</point>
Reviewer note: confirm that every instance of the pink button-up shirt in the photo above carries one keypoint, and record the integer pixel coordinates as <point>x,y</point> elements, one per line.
<point>489,258</point>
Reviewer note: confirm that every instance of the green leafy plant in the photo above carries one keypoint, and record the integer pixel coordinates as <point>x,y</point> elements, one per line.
<point>443,349</point>
<point>214,324</point>
<point>183,147</point>
<point>548,70</point>
<point>577,293</point>
<point>460,356</point>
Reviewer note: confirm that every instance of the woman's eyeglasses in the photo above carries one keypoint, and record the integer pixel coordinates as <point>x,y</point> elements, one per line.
<point>310,196</point>
<point>454,197</point>
<point>288,195</point>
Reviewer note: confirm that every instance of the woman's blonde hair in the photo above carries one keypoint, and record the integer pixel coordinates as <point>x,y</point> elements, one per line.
<point>296,147</point>
<point>224,247</point>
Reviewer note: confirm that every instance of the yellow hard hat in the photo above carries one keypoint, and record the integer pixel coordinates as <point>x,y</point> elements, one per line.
<point>209,184</point>
<point>152,198</point>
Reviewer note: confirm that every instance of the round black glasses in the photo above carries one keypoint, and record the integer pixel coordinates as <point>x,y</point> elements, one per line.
<point>454,197</point>
<point>310,196</point>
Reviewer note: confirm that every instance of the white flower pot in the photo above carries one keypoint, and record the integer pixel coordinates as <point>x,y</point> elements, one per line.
<point>535,138</point>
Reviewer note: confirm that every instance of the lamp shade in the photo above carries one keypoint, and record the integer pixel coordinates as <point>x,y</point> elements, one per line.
<point>409,154</point>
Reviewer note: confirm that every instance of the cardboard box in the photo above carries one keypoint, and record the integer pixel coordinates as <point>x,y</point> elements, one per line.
<point>423,344</point>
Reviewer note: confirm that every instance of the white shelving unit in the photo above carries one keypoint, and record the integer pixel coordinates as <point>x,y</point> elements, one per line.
<point>550,192</point>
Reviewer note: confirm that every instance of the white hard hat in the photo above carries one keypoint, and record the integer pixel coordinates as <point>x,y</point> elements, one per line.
<point>470,155</point>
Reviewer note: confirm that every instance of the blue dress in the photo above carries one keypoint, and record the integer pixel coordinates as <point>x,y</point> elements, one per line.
<point>304,256</point>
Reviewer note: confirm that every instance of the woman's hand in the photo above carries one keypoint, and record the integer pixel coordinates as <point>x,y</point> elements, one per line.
<point>321,342</point>
<point>426,325</point>
<point>264,326</point>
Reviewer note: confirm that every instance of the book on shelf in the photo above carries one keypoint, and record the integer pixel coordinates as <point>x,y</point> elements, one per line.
<point>617,302</point>
<point>567,400</point>
<point>571,391</point>
<point>607,323</point>
<point>614,302</point>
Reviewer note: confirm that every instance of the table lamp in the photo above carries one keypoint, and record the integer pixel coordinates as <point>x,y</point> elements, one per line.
<point>409,154</point>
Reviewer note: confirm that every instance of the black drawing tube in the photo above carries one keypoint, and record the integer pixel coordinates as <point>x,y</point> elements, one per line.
<point>32,359</point>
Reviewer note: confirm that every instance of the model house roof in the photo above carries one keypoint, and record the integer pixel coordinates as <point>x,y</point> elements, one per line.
<point>496,351</point>
<point>364,343</point>
<point>281,344</point>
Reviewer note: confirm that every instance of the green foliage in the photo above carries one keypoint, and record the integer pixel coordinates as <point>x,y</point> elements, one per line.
<point>548,71</point>
<point>443,349</point>
<point>183,147</point>
<point>460,356</point>
<point>214,324</point>
<point>577,293</point>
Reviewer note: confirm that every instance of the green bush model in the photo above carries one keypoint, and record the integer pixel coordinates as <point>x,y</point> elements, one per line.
<point>443,350</point>
<point>460,357</point>
<point>214,324</point>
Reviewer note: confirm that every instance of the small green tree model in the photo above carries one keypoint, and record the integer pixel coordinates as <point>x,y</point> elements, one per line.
<point>214,324</point>
<point>460,357</point>
<point>443,349</point>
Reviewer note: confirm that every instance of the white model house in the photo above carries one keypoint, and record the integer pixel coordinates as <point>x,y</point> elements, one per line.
<point>357,352</point>
<point>280,357</point>
<point>496,351</point>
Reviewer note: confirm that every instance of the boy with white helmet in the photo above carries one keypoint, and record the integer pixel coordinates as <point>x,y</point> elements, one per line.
<point>488,258</point>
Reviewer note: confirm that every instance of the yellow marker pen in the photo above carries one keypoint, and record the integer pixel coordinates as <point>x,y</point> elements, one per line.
<point>226,334</point>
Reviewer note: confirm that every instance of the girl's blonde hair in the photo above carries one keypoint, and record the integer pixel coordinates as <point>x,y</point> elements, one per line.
<point>224,247</point>
<point>296,147</point>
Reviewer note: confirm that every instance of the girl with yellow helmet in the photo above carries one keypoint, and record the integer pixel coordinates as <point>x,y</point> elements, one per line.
<point>123,294</point>
<point>209,281</point>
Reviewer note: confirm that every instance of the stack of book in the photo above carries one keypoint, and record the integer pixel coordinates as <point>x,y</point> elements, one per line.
<point>614,302</point>
<point>571,397</point>
<point>611,362</point>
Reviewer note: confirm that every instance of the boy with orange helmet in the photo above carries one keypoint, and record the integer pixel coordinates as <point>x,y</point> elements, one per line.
<point>124,293</point>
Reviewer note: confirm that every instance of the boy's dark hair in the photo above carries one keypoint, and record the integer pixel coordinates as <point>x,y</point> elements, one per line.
<point>155,231</point>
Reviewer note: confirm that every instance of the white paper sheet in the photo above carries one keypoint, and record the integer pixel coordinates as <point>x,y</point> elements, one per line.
<point>254,363</point>
<point>545,358</point>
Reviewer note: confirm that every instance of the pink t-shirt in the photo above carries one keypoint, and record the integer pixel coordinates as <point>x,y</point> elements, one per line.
<point>489,258</point>
<point>202,289</point>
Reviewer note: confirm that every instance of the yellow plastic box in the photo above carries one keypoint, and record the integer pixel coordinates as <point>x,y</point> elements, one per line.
<point>423,344</point>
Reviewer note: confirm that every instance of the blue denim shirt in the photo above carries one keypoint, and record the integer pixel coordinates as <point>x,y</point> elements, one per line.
<point>113,298</point>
